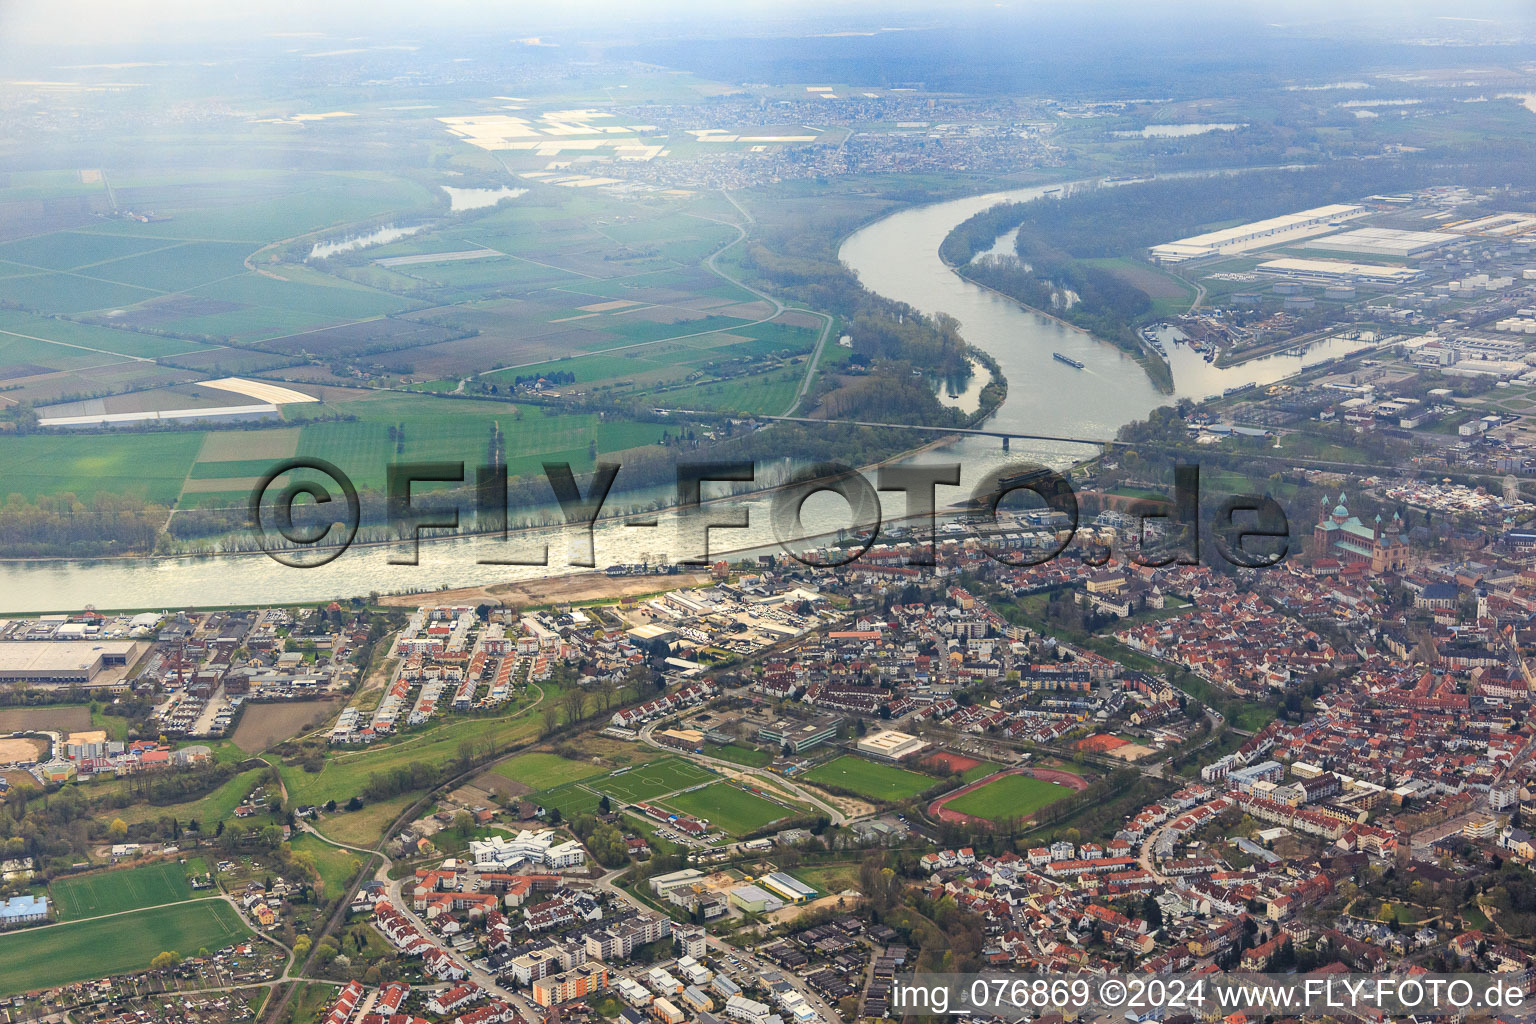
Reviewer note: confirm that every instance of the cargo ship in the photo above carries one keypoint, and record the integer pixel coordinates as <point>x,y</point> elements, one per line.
<point>1066,359</point>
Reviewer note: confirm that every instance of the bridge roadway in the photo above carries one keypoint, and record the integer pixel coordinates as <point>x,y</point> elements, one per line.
<point>972,431</point>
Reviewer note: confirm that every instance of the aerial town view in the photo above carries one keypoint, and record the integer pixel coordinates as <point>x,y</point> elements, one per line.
<point>795,514</point>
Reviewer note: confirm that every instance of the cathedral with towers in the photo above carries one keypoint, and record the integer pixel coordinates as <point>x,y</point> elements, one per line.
<point>1342,536</point>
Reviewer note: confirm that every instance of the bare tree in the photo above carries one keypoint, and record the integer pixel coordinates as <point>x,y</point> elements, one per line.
<point>551,715</point>
<point>575,704</point>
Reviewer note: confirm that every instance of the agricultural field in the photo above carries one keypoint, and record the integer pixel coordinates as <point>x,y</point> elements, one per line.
<point>546,771</point>
<point>265,725</point>
<point>124,316</point>
<point>1010,797</point>
<point>729,807</point>
<point>58,719</point>
<point>45,957</point>
<point>150,466</point>
<point>769,394</point>
<point>873,781</point>
<point>649,781</point>
<point>111,892</point>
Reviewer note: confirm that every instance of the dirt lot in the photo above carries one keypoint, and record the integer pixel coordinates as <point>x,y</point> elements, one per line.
<point>17,749</point>
<point>832,902</point>
<point>502,786</point>
<point>952,762</point>
<point>586,586</point>
<point>265,725</point>
<point>20,779</point>
<point>851,806</point>
<point>64,720</point>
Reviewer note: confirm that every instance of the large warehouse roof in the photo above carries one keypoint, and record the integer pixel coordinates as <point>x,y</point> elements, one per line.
<point>1337,269</point>
<point>1256,234</point>
<point>45,660</point>
<point>1383,241</point>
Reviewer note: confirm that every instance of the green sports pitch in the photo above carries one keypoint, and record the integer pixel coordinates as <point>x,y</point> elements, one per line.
<point>729,808</point>
<point>649,781</point>
<point>882,782</point>
<point>1007,798</point>
<point>34,958</point>
<point>112,892</point>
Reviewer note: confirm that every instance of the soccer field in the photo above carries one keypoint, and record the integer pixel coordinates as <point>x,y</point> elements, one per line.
<point>729,808</point>
<point>872,781</point>
<point>111,892</point>
<point>1012,796</point>
<point>45,957</point>
<point>651,780</point>
<point>545,771</point>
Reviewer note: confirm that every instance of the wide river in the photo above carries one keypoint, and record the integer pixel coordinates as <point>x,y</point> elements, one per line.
<point>896,257</point>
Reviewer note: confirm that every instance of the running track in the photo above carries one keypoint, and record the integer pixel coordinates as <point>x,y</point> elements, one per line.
<point>938,812</point>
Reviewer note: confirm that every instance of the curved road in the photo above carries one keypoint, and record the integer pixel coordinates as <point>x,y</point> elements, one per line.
<point>733,769</point>
<point>778,307</point>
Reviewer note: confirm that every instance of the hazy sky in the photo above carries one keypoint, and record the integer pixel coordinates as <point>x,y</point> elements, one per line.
<point>143,23</point>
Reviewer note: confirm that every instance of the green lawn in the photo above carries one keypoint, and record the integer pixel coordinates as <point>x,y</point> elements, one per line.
<point>883,782</point>
<point>830,878</point>
<point>334,864</point>
<point>344,774</point>
<point>751,757</point>
<point>109,892</point>
<point>765,393</point>
<point>1012,796</point>
<point>571,798</point>
<point>651,780</point>
<point>312,1001</point>
<point>45,957</point>
<point>363,827</point>
<point>981,771</point>
<point>546,771</point>
<point>208,810</point>
<point>728,807</point>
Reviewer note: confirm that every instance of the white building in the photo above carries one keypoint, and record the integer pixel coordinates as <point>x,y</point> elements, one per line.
<point>1271,231</point>
<point>890,745</point>
<point>545,848</point>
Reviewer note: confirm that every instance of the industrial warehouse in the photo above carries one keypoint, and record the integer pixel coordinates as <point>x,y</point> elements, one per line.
<point>1384,242</point>
<point>52,661</point>
<point>1260,233</point>
<point>1337,270</point>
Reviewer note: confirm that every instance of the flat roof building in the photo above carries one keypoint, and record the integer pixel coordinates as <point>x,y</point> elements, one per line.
<point>651,632</point>
<point>1383,241</point>
<point>890,745</point>
<point>55,661</point>
<point>787,887</point>
<point>755,900</point>
<point>1337,270</point>
<point>800,734</point>
<point>1271,231</point>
